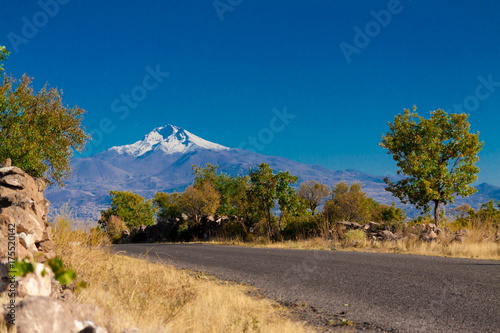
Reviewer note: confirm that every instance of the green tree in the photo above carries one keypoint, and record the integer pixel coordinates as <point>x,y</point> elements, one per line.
<point>288,201</point>
<point>387,213</point>
<point>488,214</point>
<point>267,190</point>
<point>37,131</point>
<point>312,193</point>
<point>348,203</point>
<point>167,206</point>
<point>437,157</point>
<point>132,208</point>
<point>3,55</point>
<point>199,200</point>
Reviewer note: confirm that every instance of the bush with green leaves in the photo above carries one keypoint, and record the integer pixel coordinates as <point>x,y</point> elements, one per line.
<point>132,208</point>
<point>435,156</point>
<point>355,237</point>
<point>63,275</point>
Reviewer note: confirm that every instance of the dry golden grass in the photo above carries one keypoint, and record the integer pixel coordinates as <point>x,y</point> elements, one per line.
<point>478,244</point>
<point>159,298</point>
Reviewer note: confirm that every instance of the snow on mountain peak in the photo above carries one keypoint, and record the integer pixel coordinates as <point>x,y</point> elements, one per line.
<point>168,139</point>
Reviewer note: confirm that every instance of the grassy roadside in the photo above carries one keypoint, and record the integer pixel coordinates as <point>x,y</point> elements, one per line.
<point>160,298</point>
<point>479,244</point>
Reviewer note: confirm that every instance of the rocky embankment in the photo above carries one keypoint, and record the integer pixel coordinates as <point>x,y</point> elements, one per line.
<point>35,302</point>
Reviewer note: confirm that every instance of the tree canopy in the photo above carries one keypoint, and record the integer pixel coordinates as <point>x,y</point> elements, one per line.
<point>348,203</point>
<point>37,131</point>
<point>312,193</point>
<point>132,208</point>
<point>436,157</point>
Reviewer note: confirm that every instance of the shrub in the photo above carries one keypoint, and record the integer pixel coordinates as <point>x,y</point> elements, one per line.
<point>115,228</point>
<point>355,237</point>
<point>301,228</point>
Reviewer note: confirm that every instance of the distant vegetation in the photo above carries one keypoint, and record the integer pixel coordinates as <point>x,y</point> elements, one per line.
<point>261,204</point>
<point>436,157</point>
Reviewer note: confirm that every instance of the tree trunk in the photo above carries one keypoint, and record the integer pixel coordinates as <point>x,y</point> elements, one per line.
<point>436,213</point>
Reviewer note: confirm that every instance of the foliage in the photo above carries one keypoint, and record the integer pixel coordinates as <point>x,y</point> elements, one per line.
<point>486,216</point>
<point>312,193</point>
<point>3,55</point>
<point>355,237</point>
<point>232,190</point>
<point>199,200</point>
<point>348,203</point>
<point>437,156</point>
<point>36,130</point>
<point>63,275</point>
<point>167,206</point>
<point>267,190</point>
<point>302,227</point>
<point>115,228</point>
<point>133,209</point>
<point>387,213</point>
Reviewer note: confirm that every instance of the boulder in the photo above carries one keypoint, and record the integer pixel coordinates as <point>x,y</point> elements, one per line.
<point>22,202</point>
<point>373,226</point>
<point>6,163</point>
<point>43,314</point>
<point>349,225</point>
<point>386,235</point>
<point>429,236</point>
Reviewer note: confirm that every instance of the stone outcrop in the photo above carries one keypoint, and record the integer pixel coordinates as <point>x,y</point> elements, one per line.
<point>23,205</point>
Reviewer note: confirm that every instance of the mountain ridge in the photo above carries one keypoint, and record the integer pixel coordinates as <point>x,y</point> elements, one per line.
<point>162,162</point>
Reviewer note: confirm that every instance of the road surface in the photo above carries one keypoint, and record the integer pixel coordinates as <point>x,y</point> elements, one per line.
<point>381,292</point>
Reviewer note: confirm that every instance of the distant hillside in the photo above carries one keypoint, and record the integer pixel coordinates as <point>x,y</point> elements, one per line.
<point>163,161</point>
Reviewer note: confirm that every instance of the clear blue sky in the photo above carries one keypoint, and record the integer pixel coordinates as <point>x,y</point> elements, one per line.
<point>342,68</point>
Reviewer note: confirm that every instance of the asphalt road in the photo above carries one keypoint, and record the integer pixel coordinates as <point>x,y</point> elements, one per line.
<point>391,292</point>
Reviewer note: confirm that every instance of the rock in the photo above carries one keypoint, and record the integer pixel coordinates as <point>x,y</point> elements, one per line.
<point>387,235</point>
<point>39,314</point>
<point>4,278</point>
<point>350,225</point>
<point>88,327</point>
<point>429,236</point>
<point>16,181</point>
<point>22,202</point>
<point>373,226</point>
<point>37,283</point>
<point>6,163</point>
<point>28,241</point>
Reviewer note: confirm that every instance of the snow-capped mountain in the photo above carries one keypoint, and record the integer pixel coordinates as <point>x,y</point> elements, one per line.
<point>168,139</point>
<point>163,160</point>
